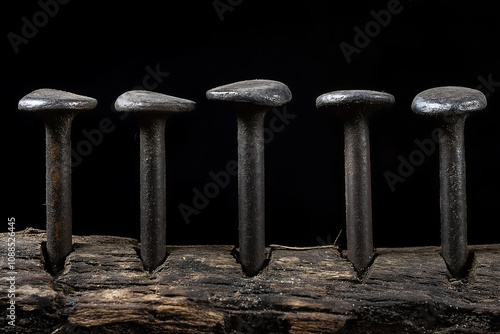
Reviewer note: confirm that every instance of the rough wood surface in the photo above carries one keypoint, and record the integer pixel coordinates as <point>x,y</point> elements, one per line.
<point>104,289</point>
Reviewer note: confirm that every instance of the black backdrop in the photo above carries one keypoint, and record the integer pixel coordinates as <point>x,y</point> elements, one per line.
<point>184,48</point>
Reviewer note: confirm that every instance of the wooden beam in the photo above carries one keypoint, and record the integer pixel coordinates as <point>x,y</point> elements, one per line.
<point>104,289</point>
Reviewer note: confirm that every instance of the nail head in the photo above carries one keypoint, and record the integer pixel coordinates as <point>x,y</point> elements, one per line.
<point>448,100</point>
<point>46,99</point>
<point>259,92</point>
<point>355,100</point>
<point>143,101</point>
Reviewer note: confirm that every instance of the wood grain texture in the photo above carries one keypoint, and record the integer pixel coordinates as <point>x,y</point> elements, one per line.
<point>202,289</point>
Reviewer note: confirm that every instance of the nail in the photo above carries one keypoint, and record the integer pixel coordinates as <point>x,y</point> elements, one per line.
<point>251,99</point>
<point>57,108</point>
<point>451,106</point>
<point>355,107</point>
<point>152,109</point>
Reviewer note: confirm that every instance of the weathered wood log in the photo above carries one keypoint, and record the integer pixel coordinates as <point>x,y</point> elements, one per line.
<point>104,289</point>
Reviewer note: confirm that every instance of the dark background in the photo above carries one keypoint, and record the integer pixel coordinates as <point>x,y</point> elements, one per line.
<point>102,50</point>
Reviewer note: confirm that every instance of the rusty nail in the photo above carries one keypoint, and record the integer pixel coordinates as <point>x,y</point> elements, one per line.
<point>451,105</point>
<point>152,110</point>
<point>355,107</point>
<point>57,108</point>
<point>251,99</point>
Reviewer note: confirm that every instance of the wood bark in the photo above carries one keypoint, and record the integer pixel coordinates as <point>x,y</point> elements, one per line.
<point>202,289</point>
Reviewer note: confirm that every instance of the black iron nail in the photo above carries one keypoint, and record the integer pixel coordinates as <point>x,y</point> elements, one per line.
<point>251,100</point>
<point>356,107</point>
<point>152,109</point>
<point>57,108</point>
<point>451,105</point>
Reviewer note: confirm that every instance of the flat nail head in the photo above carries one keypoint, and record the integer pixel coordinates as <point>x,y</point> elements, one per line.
<point>448,101</point>
<point>57,108</point>
<point>354,101</point>
<point>355,107</point>
<point>152,110</point>
<point>258,92</point>
<point>251,99</point>
<point>45,99</point>
<point>142,101</point>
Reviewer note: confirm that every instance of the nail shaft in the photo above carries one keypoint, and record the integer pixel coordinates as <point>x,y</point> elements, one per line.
<point>153,199</point>
<point>358,191</point>
<point>58,189</point>
<point>453,195</point>
<point>251,191</point>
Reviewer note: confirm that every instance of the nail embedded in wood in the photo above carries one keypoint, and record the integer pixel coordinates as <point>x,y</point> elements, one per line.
<point>355,107</point>
<point>57,108</point>
<point>451,106</point>
<point>251,99</point>
<point>152,110</point>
